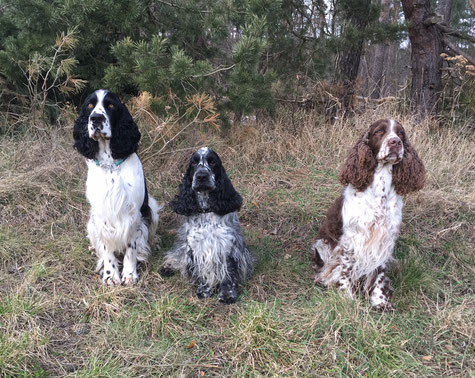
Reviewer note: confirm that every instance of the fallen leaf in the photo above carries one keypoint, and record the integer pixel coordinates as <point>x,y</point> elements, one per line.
<point>427,358</point>
<point>255,203</point>
<point>191,344</point>
<point>202,373</point>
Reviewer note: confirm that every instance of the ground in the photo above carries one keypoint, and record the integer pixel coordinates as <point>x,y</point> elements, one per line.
<point>56,319</point>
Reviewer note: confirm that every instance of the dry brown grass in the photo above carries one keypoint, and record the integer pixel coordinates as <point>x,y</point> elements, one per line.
<point>56,319</point>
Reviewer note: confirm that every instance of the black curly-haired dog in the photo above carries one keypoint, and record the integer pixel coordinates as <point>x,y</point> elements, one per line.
<point>210,249</point>
<point>124,216</point>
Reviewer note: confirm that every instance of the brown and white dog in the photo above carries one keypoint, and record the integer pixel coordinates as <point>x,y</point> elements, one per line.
<point>356,240</point>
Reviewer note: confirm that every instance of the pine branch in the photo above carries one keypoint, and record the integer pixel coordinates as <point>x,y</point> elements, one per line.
<point>204,11</point>
<point>449,31</point>
<point>180,7</point>
<point>444,28</point>
<point>456,50</point>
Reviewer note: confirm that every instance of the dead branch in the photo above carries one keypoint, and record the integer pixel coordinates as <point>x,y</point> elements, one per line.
<point>381,100</point>
<point>458,51</point>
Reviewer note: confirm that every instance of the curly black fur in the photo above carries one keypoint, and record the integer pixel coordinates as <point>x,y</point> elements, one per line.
<point>125,134</point>
<point>223,199</point>
<point>185,202</point>
<point>86,146</point>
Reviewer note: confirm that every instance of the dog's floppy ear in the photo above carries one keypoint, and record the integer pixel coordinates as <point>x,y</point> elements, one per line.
<point>409,175</point>
<point>360,165</point>
<point>125,134</point>
<point>185,202</point>
<point>224,199</point>
<point>86,146</point>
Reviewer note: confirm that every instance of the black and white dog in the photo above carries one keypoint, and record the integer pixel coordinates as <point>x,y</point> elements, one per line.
<point>210,249</point>
<point>124,217</point>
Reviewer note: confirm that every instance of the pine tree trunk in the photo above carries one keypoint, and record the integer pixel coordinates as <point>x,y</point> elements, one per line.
<point>426,47</point>
<point>444,8</point>
<point>348,60</point>
<point>394,79</point>
<point>381,53</point>
<point>392,76</point>
<point>379,71</point>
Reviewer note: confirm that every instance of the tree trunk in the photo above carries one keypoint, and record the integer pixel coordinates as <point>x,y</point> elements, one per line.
<point>426,47</point>
<point>348,59</point>
<point>444,8</point>
<point>393,76</point>
<point>381,54</point>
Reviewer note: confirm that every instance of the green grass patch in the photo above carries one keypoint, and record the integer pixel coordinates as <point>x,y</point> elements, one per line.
<point>260,337</point>
<point>12,244</point>
<point>19,305</point>
<point>266,250</point>
<point>102,367</point>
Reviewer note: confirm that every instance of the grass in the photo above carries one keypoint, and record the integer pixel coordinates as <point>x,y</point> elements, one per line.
<point>56,319</point>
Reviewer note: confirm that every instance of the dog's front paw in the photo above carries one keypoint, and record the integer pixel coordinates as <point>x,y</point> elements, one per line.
<point>228,294</point>
<point>130,278</point>
<point>204,291</point>
<point>111,277</point>
<point>384,307</point>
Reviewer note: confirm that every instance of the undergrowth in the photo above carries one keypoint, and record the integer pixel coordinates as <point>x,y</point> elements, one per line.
<point>56,319</point>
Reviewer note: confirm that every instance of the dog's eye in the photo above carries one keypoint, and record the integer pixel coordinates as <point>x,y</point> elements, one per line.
<point>90,106</point>
<point>380,131</point>
<point>194,163</point>
<point>111,106</point>
<point>400,133</point>
<point>211,163</point>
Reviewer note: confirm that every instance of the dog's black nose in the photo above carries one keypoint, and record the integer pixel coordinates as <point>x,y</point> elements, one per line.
<point>97,120</point>
<point>201,176</point>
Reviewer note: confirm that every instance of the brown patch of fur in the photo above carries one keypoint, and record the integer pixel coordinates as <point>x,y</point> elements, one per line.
<point>409,175</point>
<point>330,230</point>
<point>359,166</point>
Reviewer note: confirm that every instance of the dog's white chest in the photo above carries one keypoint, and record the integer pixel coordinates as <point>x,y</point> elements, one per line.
<point>210,239</point>
<point>117,191</point>
<point>371,221</point>
<point>106,190</point>
<point>208,234</point>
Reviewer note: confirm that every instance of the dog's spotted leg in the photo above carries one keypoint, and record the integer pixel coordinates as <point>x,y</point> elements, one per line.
<point>344,282</point>
<point>129,272</point>
<point>344,285</point>
<point>110,273</point>
<point>379,290</point>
